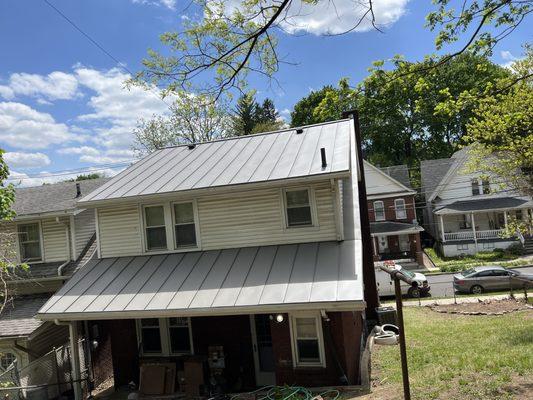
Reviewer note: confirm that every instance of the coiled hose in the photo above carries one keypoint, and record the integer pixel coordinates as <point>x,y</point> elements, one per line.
<point>289,393</point>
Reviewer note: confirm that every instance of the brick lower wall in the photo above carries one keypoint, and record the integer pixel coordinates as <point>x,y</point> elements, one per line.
<point>345,328</point>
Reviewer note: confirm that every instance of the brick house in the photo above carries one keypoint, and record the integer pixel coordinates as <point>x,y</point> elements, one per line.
<point>392,214</point>
<point>251,248</point>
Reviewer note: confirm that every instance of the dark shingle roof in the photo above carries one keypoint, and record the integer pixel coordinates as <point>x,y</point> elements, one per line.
<point>400,173</point>
<point>51,198</point>
<point>391,226</point>
<point>484,204</point>
<point>17,317</point>
<point>432,172</point>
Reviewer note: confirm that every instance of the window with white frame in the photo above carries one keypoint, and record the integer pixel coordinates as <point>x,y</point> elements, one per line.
<point>399,206</point>
<point>165,336</point>
<point>475,187</point>
<point>298,208</point>
<point>29,236</point>
<point>155,228</point>
<point>379,211</point>
<point>184,225</point>
<point>6,360</point>
<point>308,343</point>
<point>485,183</point>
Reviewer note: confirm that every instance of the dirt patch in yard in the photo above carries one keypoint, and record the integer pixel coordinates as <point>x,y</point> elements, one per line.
<point>485,307</point>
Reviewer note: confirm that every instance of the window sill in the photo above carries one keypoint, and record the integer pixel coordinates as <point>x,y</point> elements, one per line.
<point>309,366</point>
<point>173,251</point>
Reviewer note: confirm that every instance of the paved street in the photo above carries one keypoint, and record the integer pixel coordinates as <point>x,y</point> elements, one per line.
<point>441,285</point>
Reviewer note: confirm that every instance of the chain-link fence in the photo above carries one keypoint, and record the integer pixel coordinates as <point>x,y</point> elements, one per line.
<point>46,378</point>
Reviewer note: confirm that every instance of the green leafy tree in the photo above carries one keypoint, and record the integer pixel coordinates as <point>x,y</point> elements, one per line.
<point>192,119</point>
<point>7,239</point>
<point>303,112</point>
<point>85,177</point>
<point>234,39</point>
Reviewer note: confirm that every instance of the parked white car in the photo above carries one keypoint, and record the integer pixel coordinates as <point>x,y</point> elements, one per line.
<point>386,284</point>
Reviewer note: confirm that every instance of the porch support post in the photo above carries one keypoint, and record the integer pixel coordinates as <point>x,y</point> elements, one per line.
<point>505,218</point>
<point>441,222</point>
<point>474,229</point>
<point>75,360</point>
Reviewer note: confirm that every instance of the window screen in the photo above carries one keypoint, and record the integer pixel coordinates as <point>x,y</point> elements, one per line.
<point>29,242</point>
<point>379,211</point>
<point>156,235</point>
<point>307,341</point>
<point>298,208</point>
<point>399,205</point>
<point>184,225</point>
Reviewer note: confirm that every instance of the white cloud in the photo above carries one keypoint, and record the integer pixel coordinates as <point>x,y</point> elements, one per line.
<point>93,155</point>
<point>509,59</point>
<point>23,127</point>
<point>54,86</point>
<point>26,160</point>
<point>335,17</point>
<point>170,4</point>
<point>20,179</point>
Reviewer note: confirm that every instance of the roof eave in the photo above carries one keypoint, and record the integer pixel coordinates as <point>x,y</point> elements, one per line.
<point>48,214</point>
<point>350,305</point>
<point>217,189</point>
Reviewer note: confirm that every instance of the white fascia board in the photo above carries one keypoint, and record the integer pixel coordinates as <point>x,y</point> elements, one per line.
<point>355,305</point>
<point>388,195</point>
<point>51,214</point>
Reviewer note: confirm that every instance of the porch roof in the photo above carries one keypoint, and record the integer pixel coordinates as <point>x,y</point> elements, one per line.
<point>485,204</point>
<point>17,318</point>
<point>386,228</point>
<point>325,275</point>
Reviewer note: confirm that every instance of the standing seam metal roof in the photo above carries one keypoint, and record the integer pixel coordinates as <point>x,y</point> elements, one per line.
<point>204,281</point>
<point>246,159</point>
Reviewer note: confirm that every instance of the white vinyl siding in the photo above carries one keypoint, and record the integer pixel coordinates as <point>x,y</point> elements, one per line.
<point>84,228</point>
<point>56,246</point>
<point>119,231</point>
<point>242,219</point>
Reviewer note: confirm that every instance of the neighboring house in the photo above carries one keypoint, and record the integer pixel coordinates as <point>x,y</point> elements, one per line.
<point>53,238</point>
<point>247,247</point>
<point>466,212</point>
<point>392,213</point>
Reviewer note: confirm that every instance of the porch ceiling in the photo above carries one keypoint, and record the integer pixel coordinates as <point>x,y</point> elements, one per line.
<point>325,275</point>
<point>485,204</point>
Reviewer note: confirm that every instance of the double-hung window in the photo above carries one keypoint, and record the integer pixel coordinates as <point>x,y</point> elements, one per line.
<point>298,208</point>
<point>156,234</point>
<point>184,225</point>
<point>308,345</point>
<point>379,211</point>
<point>475,187</point>
<point>29,236</point>
<point>399,206</point>
<point>486,185</point>
<point>165,336</point>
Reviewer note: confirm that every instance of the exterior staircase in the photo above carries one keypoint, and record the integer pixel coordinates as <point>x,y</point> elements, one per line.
<point>528,244</point>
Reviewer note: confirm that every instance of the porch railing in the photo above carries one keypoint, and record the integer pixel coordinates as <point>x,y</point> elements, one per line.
<point>469,235</point>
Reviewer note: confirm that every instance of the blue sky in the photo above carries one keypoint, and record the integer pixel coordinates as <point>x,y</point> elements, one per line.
<point>62,101</point>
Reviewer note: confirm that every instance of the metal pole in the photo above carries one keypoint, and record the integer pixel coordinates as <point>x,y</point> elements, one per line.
<point>403,350</point>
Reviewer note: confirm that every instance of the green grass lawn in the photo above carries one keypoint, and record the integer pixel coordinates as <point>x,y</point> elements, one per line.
<point>460,357</point>
<point>453,264</point>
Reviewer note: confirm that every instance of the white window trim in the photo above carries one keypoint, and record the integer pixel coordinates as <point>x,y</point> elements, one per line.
<point>196,226</point>
<point>462,247</point>
<point>396,208</point>
<point>312,205</point>
<point>164,333</point>
<point>145,226</point>
<point>383,207</point>
<point>294,347</point>
<point>41,240</point>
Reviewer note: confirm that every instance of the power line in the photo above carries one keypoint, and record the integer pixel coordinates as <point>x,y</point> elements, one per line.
<point>99,46</point>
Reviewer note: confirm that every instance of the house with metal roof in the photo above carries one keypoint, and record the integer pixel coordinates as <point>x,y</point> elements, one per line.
<point>53,238</point>
<point>466,212</point>
<point>392,213</point>
<point>244,258</point>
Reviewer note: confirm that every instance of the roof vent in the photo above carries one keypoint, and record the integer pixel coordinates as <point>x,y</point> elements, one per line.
<point>78,189</point>
<point>323,156</point>
<point>299,131</point>
<point>191,146</point>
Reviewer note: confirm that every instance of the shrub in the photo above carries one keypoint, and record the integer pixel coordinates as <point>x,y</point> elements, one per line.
<point>516,249</point>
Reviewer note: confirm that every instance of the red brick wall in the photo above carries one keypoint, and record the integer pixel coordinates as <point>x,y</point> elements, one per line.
<point>390,212</point>
<point>345,328</point>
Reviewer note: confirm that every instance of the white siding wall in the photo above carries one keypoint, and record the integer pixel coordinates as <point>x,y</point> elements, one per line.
<point>84,229</point>
<point>55,240</point>
<point>119,231</point>
<point>242,219</point>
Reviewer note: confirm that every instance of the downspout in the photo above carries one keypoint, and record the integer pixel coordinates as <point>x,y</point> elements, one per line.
<point>74,356</point>
<point>69,257</point>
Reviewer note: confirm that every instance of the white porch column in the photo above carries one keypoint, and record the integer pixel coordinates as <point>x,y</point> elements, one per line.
<point>474,229</point>
<point>75,360</point>
<point>441,222</point>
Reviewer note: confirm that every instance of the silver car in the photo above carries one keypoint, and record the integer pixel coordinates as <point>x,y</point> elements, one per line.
<point>480,279</point>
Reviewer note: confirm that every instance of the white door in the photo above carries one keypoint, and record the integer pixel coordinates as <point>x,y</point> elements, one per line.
<point>263,353</point>
<point>404,243</point>
<point>383,244</point>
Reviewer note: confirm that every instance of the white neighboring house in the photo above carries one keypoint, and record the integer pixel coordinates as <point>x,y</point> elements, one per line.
<point>466,213</point>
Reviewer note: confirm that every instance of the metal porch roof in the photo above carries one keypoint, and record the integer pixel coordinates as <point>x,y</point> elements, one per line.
<point>325,275</point>
<point>485,204</point>
<point>238,160</point>
<point>384,227</point>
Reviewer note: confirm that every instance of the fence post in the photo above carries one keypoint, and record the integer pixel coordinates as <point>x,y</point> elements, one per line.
<point>56,367</point>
